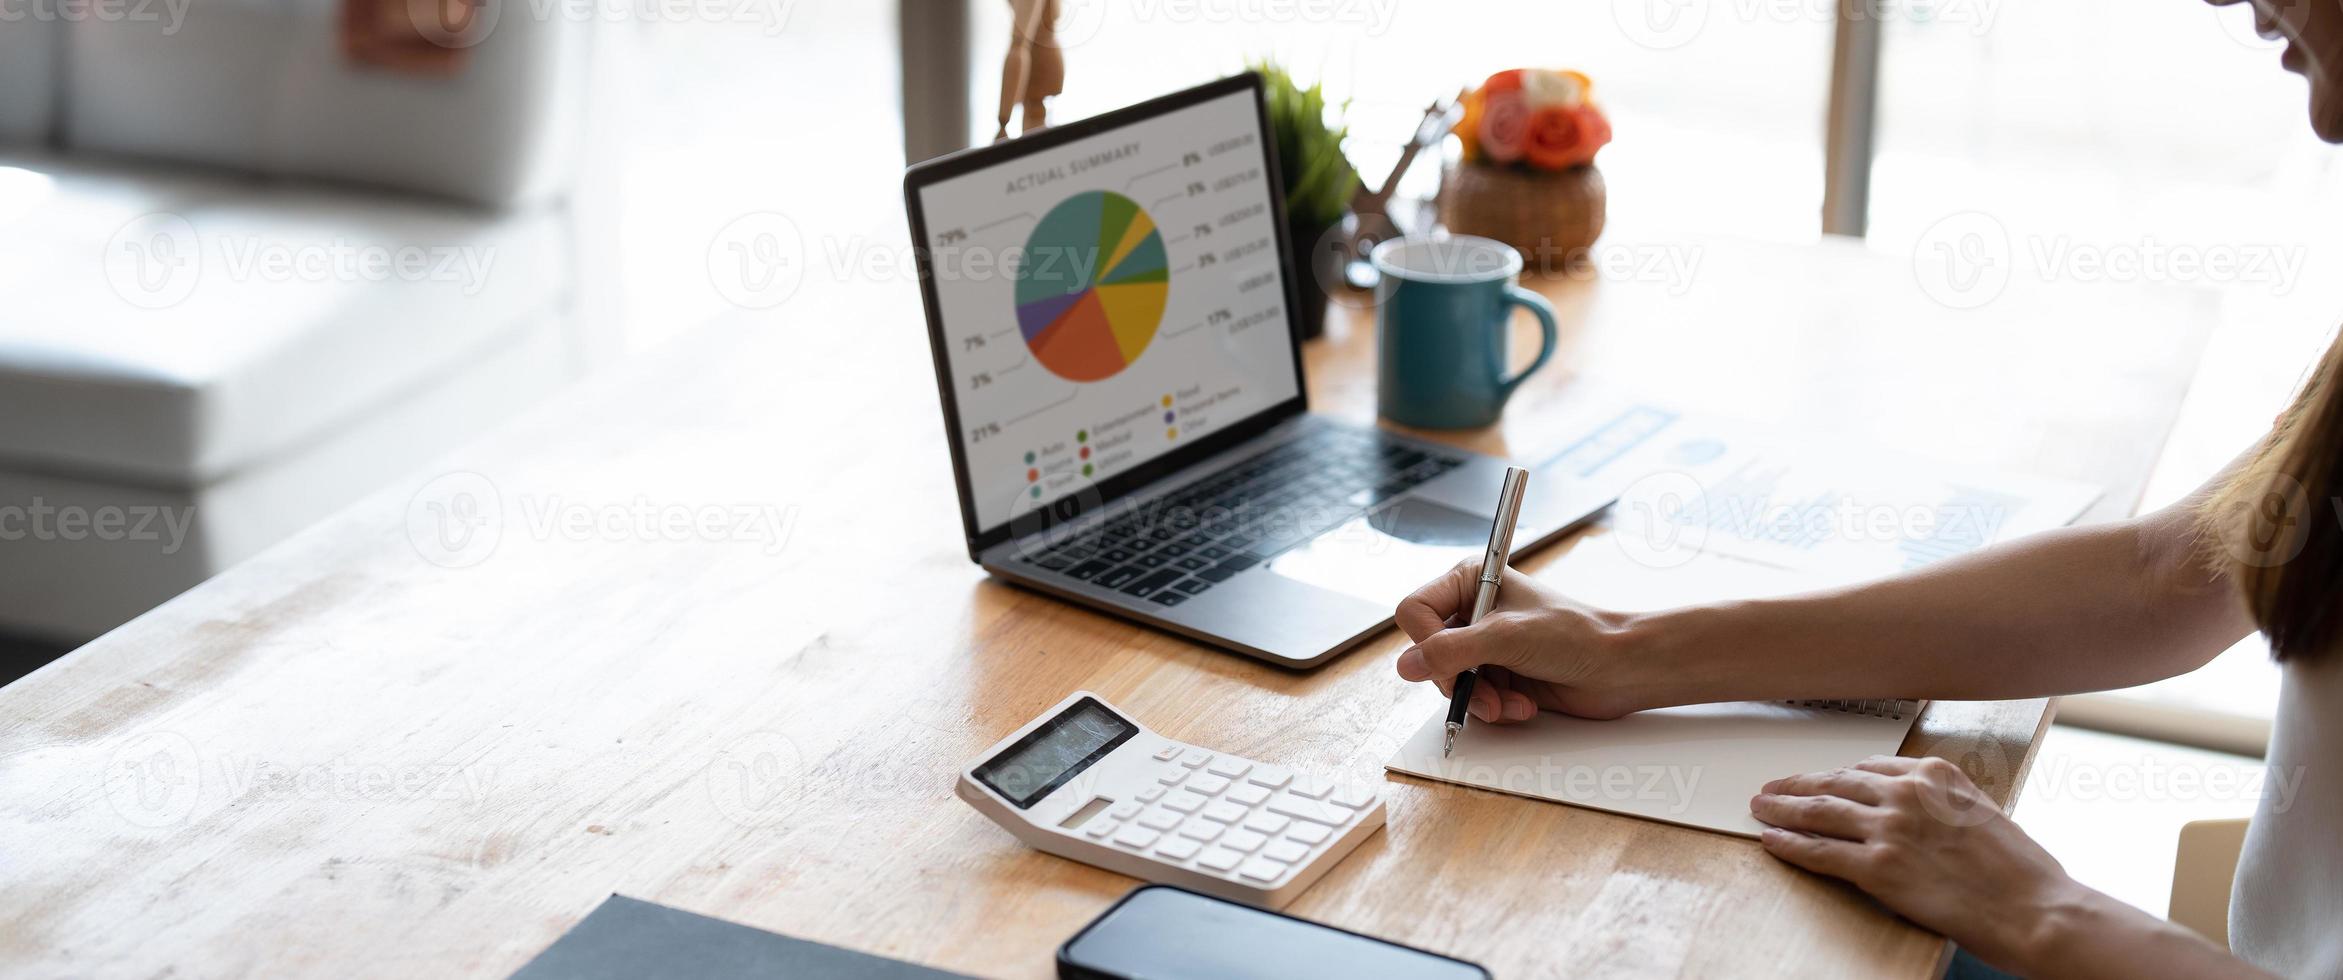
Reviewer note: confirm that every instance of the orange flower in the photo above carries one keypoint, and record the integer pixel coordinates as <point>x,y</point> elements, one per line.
<point>1596,128</point>
<point>1559,138</point>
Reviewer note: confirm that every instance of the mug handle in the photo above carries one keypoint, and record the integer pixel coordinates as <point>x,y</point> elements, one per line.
<point>1544,311</point>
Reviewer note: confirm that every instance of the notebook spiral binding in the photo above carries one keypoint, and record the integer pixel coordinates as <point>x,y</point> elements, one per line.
<point>1895,708</point>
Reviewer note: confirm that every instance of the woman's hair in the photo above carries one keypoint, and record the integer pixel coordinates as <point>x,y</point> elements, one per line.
<point>2279,521</point>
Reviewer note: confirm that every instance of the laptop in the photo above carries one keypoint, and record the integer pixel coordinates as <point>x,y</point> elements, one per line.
<point>1110,304</point>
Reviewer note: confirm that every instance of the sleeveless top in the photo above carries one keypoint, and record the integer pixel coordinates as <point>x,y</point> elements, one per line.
<point>2286,909</point>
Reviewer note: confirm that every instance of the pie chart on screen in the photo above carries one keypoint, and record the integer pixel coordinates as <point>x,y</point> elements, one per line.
<point>1091,286</point>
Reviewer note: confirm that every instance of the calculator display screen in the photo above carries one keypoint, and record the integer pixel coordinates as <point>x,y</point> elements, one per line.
<point>1048,756</point>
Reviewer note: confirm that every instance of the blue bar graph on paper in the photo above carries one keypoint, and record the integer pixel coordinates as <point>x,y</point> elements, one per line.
<point>1611,440</point>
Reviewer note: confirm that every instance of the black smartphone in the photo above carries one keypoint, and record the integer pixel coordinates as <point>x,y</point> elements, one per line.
<point>1159,932</point>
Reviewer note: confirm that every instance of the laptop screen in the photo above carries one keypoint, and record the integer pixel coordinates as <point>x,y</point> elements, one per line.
<point>1108,300</point>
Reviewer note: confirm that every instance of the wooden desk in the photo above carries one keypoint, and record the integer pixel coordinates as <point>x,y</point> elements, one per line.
<point>343,760</point>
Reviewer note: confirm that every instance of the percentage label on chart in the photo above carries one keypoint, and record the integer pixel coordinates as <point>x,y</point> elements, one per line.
<point>1196,187</point>
<point>952,236</point>
<point>1191,159</point>
<point>1203,230</point>
<point>979,380</point>
<point>1205,260</point>
<point>1217,317</point>
<point>972,342</point>
<point>983,432</point>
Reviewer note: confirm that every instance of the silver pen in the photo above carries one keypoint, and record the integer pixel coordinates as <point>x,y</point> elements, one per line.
<point>1485,596</point>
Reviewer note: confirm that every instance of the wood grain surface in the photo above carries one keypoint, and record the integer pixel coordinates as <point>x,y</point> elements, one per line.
<point>353,756</point>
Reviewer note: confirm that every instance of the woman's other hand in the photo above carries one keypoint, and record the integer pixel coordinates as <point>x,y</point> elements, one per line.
<point>1926,842</point>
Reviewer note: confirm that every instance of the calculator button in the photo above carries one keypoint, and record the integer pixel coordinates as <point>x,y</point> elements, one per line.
<point>1229,767</point>
<point>1354,796</point>
<point>1151,793</point>
<point>1136,838</point>
<point>1246,794</point>
<point>1224,811</point>
<point>1308,833</point>
<point>1195,757</point>
<point>1270,777</point>
<point>1312,787</point>
<point>1267,823</point>
<point>1178,848</point>
<point>1101,827</point>
<point>1303,808</point>
<point>1201,829</point>
<point>1286,851</point>
<point>1183,802</point>
<point>1260,870</point>
<point>1159,819</point>
<point>1242,840</point>
<point>1220,859</point>
<point>1167,753</point>
<point>1207,784</point>
<point>1124,811</point>
<point>1170,775</point>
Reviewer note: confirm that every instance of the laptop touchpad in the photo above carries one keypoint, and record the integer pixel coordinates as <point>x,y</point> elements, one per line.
<point>1383,556</point>
<point>1424,522</point>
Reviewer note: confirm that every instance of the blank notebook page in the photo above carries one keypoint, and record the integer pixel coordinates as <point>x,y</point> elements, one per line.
<point>1696,766</point>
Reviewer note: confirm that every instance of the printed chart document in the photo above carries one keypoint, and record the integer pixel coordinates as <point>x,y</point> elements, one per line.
<point>1701,485</point>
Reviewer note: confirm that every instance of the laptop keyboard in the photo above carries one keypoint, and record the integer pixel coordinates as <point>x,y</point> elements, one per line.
<point>1205,533</point>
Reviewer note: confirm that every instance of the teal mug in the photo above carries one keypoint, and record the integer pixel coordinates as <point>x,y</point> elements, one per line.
<point>1443,310</point>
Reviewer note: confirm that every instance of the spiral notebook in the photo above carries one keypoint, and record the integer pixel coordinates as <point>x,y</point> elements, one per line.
<point>1696,766</point>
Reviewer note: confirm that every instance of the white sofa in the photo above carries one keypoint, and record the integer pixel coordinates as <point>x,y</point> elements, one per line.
<point>243,282</point>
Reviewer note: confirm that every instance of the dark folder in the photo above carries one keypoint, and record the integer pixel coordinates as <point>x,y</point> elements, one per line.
<point>628,939</point>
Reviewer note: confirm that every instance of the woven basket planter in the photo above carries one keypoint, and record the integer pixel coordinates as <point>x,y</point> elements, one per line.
<point>1551,217</point>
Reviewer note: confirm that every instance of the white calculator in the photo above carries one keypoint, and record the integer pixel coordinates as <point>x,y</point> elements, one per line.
<point>1086,782</point>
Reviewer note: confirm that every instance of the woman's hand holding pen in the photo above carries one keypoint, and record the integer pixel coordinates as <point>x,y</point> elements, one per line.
<point>1536,649</point>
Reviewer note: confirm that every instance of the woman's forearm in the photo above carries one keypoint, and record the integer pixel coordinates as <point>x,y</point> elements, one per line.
<point>2096,936</point>
<point>2078,609</point>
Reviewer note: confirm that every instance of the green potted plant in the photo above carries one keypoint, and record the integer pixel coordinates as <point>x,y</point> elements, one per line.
<point>1319,183</point>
